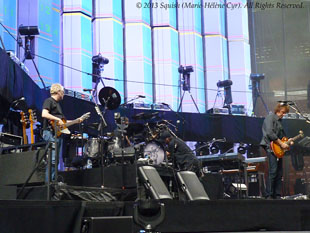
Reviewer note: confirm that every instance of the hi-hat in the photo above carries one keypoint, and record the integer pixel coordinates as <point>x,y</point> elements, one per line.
<point>109,97</point>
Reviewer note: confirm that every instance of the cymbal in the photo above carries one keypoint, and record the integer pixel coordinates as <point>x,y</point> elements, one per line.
<point>110,97</point>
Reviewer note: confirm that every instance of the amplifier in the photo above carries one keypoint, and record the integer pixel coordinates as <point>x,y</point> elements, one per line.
<point>10,139</point>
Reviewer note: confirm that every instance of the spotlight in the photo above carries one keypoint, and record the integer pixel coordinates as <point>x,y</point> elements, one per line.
<point>185,71</point>
<point>98,59</point>
<point>98,66</point>
<point>29,32</point>
<point>225,83</point>
<point>257,77</point>
<point>242,149</point>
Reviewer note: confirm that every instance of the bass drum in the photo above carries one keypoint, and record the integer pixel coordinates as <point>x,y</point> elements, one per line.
<point>154,152</point>
<point>92,148</point>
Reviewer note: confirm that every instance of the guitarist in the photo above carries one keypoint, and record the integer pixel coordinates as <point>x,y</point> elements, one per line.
<point>273,131</point>
<point>52,112</point>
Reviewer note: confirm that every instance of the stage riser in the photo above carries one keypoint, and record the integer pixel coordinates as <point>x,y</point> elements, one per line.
<point>121,224</point>
<point>200,216</point>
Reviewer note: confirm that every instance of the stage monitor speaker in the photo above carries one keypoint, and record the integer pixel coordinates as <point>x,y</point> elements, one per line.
<point>115,224</point>
<point>15,168</point>
<point>153,183</point>
<point>191,186</point>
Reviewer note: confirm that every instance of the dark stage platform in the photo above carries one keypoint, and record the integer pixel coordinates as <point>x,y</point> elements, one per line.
<point>200,216</point>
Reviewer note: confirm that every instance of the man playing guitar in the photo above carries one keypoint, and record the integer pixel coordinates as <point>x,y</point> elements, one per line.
<point>273,132</point>
<point>52,112</point>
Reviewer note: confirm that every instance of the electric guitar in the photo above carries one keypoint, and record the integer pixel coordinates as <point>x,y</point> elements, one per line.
<point>32,120</point>
<point>278,151</point>
<point>63,129</point>
<point>24,120</point>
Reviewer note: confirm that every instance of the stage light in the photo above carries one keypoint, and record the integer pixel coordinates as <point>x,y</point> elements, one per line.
<point>242,149</point>
<point>98,66</point>
<point>225,83</point>
<point>257,77</point>
<point>98,59</point>
<point>186,71</point>
<point>29,32</point>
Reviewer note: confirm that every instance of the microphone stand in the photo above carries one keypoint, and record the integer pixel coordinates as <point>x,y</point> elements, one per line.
<point>133,99</point>
<point>179,116</point>
<point>296,109</point>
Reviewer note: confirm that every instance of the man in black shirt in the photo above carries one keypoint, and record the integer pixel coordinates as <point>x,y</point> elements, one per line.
<point>52,112</point>
<point>273,131</point>
<point>182,156</point>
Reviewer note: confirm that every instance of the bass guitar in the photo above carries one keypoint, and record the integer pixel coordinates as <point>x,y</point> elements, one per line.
<point>63,129</point>
<point>25,121</point>
<point>32,120</point>
<point>278,151</point>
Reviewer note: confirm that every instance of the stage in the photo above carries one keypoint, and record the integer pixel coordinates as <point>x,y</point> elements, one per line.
<point>198,216</point>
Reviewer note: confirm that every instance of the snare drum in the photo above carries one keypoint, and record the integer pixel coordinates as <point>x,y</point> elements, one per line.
<point>155,152</point>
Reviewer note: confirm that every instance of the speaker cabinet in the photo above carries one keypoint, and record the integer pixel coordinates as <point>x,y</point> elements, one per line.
<point>115,224</point>
<point>15,168</point>
<point>191,186</point>
<point>153,183</point>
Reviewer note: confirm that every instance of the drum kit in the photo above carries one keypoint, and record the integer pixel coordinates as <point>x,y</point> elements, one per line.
<point>130,141</point>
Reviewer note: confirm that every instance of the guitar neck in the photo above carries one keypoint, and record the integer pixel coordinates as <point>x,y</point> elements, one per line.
<point>294,138</point>
<point>72,122</point>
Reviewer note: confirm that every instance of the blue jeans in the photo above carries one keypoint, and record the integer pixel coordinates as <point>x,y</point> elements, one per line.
<point>275,173</point>
<point>48,136</point>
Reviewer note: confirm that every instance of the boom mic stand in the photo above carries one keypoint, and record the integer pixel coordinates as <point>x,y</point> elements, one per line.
<point>294,106</point>
<point>179,116</point>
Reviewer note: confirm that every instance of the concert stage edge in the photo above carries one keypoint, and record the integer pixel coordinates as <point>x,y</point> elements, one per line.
<point>198,216</point>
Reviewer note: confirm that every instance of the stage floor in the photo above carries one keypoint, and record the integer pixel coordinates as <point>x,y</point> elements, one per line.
<point>180,216</point>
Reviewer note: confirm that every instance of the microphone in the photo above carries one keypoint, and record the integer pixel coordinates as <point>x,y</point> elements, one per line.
<point>141,96</point>
<point>90,90</point>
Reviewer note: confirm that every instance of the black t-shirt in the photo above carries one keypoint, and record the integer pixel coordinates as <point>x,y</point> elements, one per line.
<point>182,154</point>
<point>53,108</point>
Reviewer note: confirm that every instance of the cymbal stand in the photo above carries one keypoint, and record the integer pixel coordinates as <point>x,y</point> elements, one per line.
<point>101,127</point>
<point>121,129</point>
